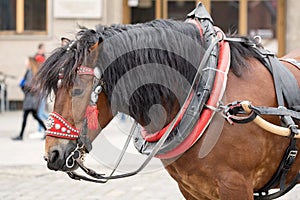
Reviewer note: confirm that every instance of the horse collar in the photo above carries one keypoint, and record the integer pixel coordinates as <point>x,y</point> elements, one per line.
<point>190,127</point>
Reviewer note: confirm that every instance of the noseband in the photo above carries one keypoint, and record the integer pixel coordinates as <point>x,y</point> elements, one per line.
<point>57,126</point>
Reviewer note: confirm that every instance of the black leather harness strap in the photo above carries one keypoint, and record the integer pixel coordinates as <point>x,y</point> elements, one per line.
<point>262,110</point>
<point>286,85</point>
<point>287,92</point>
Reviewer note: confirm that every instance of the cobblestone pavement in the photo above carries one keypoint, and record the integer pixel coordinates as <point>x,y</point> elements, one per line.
<point>24,175</point>
<point>36,182</point>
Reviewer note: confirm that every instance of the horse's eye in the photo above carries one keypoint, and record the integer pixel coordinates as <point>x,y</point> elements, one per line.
<point>76,92</point>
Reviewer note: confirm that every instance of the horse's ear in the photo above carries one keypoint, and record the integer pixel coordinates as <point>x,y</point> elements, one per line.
<point>94,46</point>
<point>64,41</point>
<point>100,40</point>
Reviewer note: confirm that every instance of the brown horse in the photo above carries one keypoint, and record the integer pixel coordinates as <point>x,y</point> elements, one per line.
<point>146,71</point>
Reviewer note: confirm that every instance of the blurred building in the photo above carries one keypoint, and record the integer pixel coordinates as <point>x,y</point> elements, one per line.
<point>26,23</point>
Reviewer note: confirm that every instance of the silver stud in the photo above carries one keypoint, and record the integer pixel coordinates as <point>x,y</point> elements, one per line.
<point>57,126</point>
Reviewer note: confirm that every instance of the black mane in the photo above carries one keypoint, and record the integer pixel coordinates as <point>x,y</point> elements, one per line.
<point>68,57</point>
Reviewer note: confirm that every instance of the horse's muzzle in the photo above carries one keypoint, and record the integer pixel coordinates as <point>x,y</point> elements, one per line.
<point>56,159</point>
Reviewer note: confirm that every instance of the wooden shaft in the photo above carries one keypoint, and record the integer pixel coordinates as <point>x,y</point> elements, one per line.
<point>267,125</point>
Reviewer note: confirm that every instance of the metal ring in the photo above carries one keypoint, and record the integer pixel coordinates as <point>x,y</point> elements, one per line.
<point>73,160</point>
<point>258,39</point>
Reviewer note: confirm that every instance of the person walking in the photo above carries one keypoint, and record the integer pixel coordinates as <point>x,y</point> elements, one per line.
<point>32,97</point>
<point>40,54</point>
<point>42,114</point>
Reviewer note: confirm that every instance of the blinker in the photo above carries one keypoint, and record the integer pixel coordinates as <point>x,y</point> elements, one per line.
<point>95,93</point>
<point>97,73</point>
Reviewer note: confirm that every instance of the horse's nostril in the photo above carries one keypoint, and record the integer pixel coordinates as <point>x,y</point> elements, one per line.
<point>46,158</point>
<point>54,155</point>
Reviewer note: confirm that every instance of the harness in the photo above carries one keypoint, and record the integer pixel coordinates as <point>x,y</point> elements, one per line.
<point>185,120</point>
<point>287,91</point>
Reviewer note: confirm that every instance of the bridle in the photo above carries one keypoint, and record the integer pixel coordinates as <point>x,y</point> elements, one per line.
<point>59,127</point>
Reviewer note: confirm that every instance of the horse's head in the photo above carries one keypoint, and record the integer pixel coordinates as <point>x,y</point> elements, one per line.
<point>78,90</point>
<point>74,120</point>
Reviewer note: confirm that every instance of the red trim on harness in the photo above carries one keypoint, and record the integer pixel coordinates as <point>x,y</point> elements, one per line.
<point>216,95</point>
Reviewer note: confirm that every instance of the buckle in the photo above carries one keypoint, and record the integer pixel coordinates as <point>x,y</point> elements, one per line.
<point>292,154</point>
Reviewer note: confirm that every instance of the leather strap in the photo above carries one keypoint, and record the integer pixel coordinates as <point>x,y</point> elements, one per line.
<point>262,110</point>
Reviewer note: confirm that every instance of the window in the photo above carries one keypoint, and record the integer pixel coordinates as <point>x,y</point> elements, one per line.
<point>265,18</point>
<point>23,17</point>
<point>262,16</point>
<point>145,11</point>
<point>8,15</point>
<point>251,17</point>
<point>179,9</point>
<point>226,15</point>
